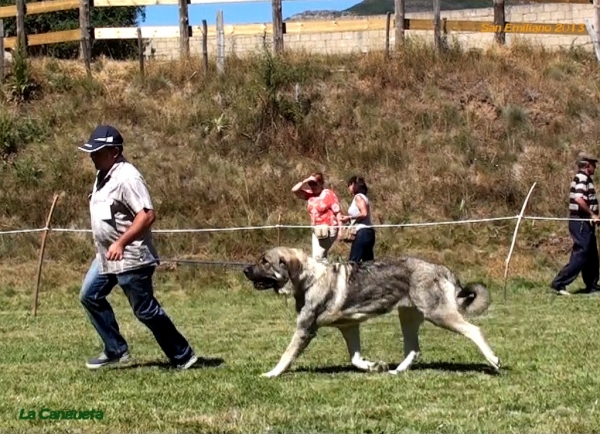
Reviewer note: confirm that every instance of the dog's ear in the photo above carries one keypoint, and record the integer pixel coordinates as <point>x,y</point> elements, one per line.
<point>293,266</point>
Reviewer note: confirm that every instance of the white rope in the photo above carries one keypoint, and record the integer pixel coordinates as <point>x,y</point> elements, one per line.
<point>562,219</point>
<point>250,228</point>
<point>22,231</point>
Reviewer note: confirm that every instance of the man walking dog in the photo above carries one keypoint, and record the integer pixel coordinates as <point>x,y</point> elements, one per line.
<point>583,204</point>
<point>121,215</point>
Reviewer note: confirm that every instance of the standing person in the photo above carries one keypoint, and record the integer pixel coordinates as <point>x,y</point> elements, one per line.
<point>324,209</point>
<point>583,204</point>
<point>121,215</point>
<point>359,213</point>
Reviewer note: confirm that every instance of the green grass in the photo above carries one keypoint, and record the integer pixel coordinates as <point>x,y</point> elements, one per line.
<point>547,346</point>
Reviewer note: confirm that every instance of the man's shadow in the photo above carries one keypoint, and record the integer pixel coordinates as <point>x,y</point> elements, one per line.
<point>418,366</point>
<point>584,291</point>
<point>203,362</point>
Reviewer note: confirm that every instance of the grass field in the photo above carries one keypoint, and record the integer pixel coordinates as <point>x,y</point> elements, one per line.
<point>547,345</point>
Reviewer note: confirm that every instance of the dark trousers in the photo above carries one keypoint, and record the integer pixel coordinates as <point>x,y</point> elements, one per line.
<point>362,246</point>
<point>137,286</point>
<point>584,257</point>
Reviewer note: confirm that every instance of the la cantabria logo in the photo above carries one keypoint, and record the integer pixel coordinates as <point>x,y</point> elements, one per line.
<point>50,414</point>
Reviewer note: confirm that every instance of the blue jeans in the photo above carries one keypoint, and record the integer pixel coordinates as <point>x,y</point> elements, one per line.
<point>362,246</point>
<point>584,257</point>
<point>137,286</point>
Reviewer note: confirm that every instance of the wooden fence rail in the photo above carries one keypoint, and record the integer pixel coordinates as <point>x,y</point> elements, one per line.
<point>86,33</point>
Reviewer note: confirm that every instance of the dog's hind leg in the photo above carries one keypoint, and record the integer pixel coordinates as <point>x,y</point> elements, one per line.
<point>410,321</point>
<point>351,335</point>
<point>456,323</point>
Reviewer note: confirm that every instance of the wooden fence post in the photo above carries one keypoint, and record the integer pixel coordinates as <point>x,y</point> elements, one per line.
<point>205,46</point>
<point>21,35</point>
<point>86,38</point>
<point>41,259</point>
<point>387,35</point>
<point>399,24</point>
<point>140,51</point>
<point>184,30</point>
<point>279,229</point>
<point>277,27</point>
<point>437,26</point>
<point>597,19</point>
<point>499,22</point>
<point>220,43</point>
<point>594,37</point>
<point>2,51</point>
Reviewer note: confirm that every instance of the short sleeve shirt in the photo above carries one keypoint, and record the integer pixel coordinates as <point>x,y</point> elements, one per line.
<point>114,203</point>
<point>582,186</point>
<point>323,208</point>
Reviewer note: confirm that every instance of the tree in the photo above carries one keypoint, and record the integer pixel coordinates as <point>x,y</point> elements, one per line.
<point>67,20</point>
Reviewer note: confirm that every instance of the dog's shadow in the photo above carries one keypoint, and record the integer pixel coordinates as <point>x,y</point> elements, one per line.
<point>203,362</point>
<point>418,366</point>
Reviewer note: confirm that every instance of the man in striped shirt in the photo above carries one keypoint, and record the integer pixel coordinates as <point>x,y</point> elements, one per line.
<point>583,206</point>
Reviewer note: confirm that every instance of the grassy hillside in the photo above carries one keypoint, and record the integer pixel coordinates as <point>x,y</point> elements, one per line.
<point>380,7</point>
<point>459,137</point>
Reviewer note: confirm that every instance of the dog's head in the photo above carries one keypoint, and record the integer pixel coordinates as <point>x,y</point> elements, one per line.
<point>274,268</point>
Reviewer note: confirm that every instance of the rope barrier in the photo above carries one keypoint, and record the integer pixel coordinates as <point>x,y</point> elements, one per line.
<point>22,231</point>
<point>250,228</point>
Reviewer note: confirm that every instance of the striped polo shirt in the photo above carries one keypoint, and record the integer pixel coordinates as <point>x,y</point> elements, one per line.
<point>582,186</point>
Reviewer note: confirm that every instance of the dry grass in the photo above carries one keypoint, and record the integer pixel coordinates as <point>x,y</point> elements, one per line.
<point>463,136</point>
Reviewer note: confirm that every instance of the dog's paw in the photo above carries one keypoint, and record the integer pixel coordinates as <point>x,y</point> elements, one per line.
<point>498,365</point>
<point>269,374</point>
<point>379,366</point>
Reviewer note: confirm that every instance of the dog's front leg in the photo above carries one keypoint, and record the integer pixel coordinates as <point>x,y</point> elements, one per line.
<point>306,330</point>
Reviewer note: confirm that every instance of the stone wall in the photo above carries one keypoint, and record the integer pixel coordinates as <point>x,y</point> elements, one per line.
<point>364,41</point>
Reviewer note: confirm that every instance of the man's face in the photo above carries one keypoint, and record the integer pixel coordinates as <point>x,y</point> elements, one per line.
<point>104,158</point>
<point>591,168</point>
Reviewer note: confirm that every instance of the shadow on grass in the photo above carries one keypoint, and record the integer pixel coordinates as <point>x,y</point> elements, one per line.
<point>203,362</point>
<point>419,366</point>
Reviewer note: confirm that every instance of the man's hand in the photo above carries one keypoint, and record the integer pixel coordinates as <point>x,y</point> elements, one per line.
<point>595,219</point>
<point>115,252</point>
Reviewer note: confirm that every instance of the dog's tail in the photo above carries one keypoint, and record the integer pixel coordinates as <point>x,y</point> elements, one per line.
<point>473,298</point>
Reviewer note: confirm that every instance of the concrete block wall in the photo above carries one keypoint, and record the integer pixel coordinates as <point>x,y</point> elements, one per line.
<point>374,40</point>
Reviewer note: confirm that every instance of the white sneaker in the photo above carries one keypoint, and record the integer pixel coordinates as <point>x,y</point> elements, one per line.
<point>192,360</point>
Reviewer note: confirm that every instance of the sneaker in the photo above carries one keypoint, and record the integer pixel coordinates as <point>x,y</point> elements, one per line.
<point>104,360</point>
<point>561,290</point>
<point>191,361</point>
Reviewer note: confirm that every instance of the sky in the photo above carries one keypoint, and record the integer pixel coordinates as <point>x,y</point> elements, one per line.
<point>237,13</point>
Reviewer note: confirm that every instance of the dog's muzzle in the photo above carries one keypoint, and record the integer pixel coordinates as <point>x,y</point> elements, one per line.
<point>259,282</point>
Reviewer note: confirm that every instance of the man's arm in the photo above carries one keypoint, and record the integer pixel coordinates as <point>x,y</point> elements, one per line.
<point>584,206</point>
<point>141,223</point>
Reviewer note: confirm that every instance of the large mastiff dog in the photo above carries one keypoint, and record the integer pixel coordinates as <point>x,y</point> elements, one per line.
<point>346,294</point>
